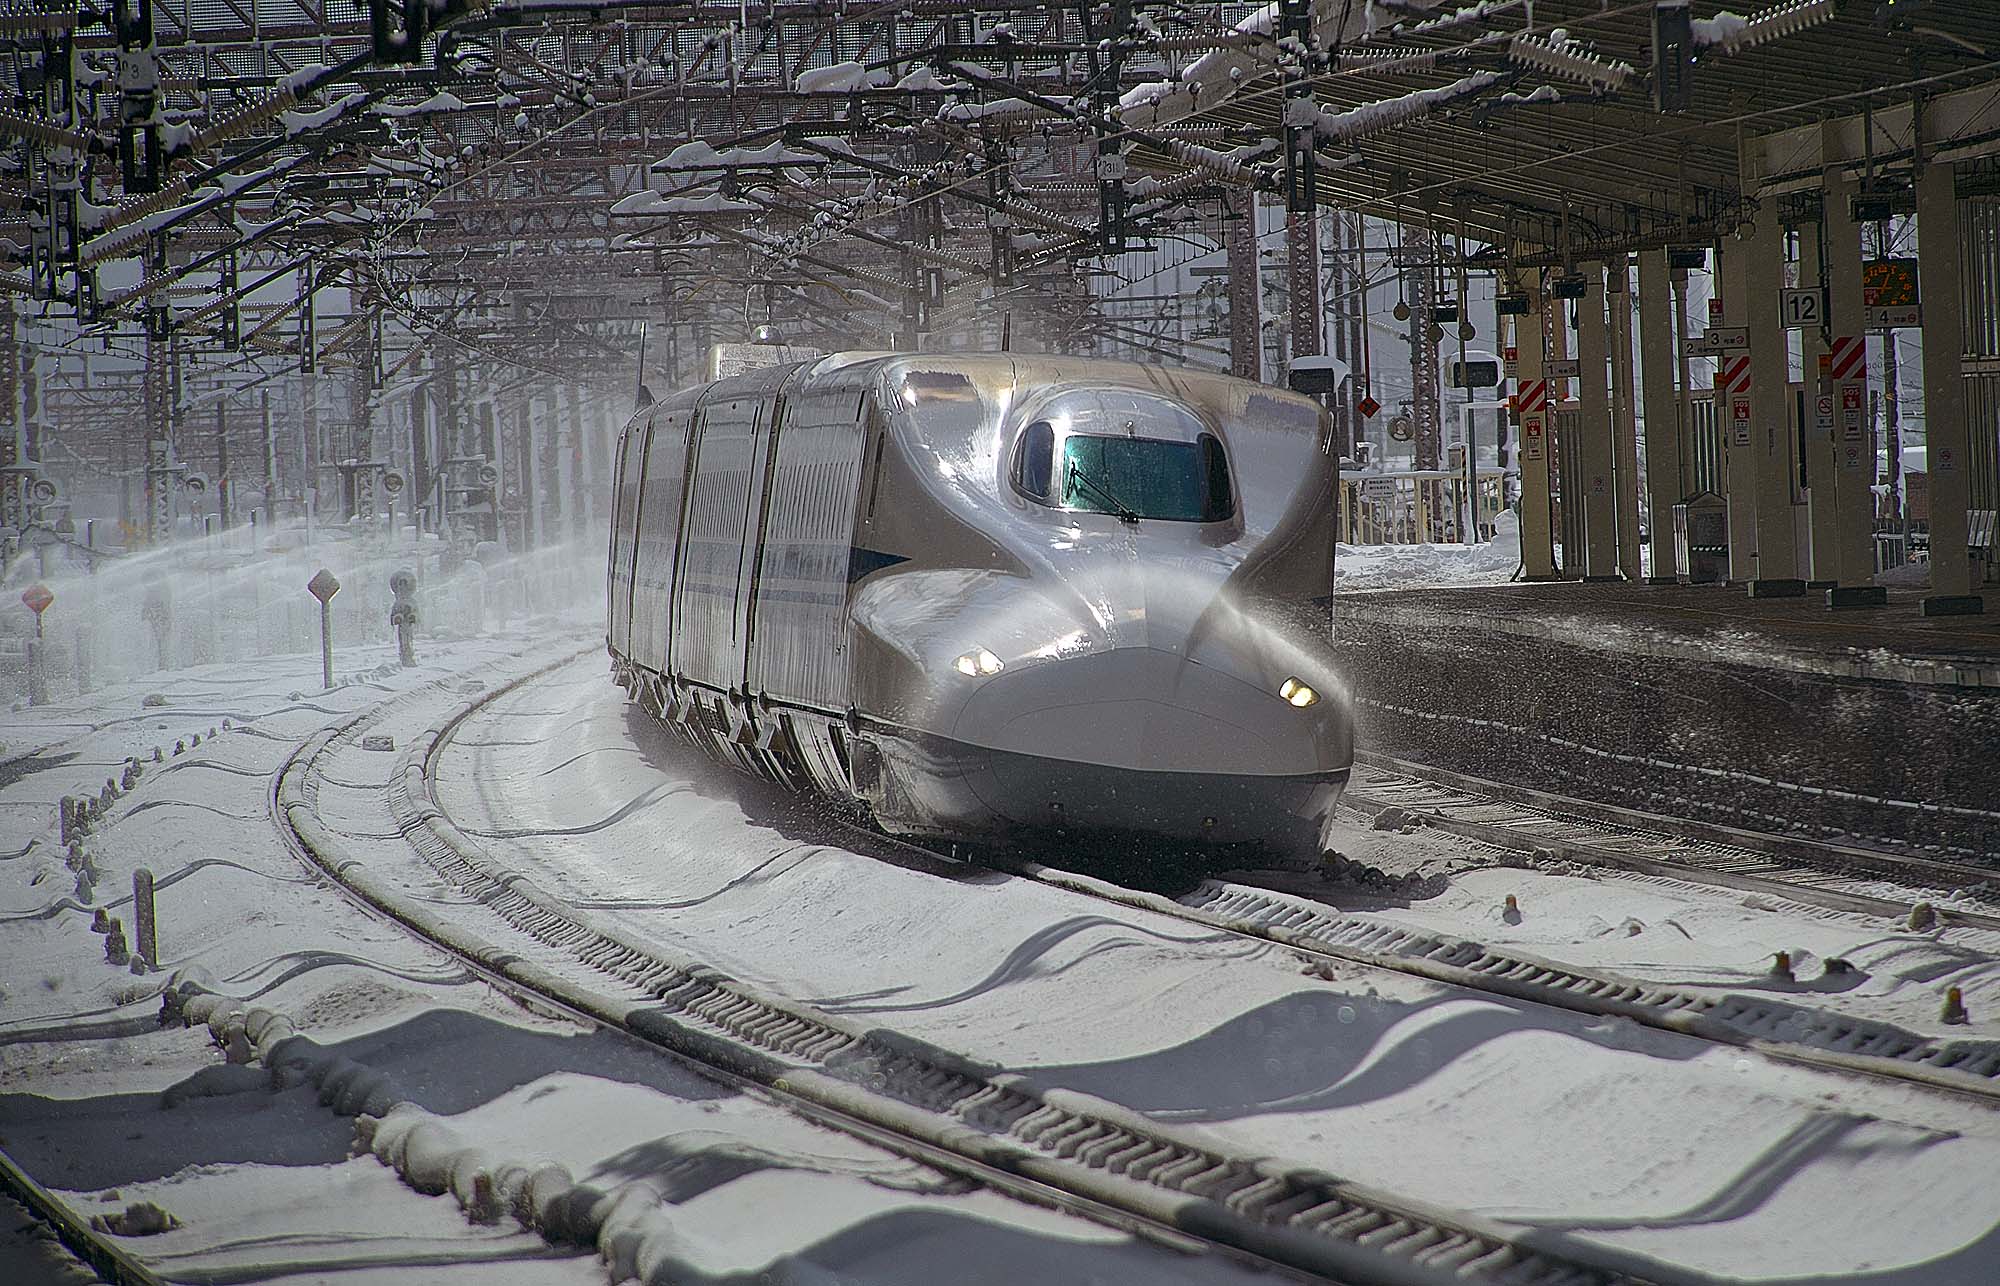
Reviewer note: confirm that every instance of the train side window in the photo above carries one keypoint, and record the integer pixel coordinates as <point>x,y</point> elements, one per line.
<point>1034,462</point>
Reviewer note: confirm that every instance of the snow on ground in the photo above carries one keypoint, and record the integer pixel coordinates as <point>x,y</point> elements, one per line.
<point>1579,1129</point>
<point>1668,931</point>
<point>111,1110</point>
<point>1409,566</point>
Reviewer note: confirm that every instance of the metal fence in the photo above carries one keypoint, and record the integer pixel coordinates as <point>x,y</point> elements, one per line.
<point>1417,507</point>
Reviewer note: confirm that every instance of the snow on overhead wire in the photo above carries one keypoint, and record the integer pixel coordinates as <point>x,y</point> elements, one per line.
<point>1732,32</point>
<point>1558,55</point>
<point>1372,118</point>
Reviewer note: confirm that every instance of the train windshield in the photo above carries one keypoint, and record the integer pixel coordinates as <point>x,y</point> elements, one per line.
<point>1068,460</point>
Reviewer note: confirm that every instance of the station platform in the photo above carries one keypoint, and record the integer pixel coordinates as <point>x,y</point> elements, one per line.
<point>1874,726</point>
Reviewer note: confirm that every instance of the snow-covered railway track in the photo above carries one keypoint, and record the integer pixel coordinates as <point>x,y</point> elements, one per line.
<point>1056,1146</point>
<point>1522,820</point>
<point>1765,1025</point>
<point>109,1260</point>
<point>1769,1025</point>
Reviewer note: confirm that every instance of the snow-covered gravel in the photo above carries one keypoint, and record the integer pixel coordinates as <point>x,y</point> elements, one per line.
<point>1667,931</point>
<point>260,1175</point>
<point>1570,1128</point>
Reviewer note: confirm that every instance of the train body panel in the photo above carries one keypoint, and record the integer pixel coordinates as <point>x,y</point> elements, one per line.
<point>910,581</point>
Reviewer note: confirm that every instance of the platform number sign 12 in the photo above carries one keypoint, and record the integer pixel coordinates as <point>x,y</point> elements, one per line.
<point>1803,309</point>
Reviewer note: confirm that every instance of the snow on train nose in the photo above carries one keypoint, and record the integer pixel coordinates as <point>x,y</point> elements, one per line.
<point>1142,741</point>
<point>1139,709</point>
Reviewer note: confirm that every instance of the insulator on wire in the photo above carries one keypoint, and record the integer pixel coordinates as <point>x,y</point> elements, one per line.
<point>1732,33</point>
<point>1565,59</point>
<point>47,133</point>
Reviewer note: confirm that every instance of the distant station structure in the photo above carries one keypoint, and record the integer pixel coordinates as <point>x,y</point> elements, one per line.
<point>1669,278</point>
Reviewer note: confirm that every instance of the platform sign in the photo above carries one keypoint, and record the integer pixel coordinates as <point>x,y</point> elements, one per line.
<point>1739,420</point>
<point>1889,293</point>
<point>1851,420</point>
<point>1720,341</point>
<point>1531,435</point>
<point>1802,308</point>
<point>1564,368</point>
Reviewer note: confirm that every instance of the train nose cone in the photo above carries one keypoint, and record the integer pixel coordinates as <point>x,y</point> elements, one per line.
<point>1139,708</point>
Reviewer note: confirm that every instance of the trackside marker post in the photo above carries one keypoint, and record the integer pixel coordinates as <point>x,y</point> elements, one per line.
<point>323,587</point>
<point>143,926</point>
<point>38,598</point>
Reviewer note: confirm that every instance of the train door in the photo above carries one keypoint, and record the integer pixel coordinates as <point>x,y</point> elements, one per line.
<point>659,525</point>
<point>631,477</point>
<point>756,500</point>
<point>706,621</point>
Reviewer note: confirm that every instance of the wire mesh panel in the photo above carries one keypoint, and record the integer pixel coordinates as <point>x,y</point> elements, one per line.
<point>1704,444</point>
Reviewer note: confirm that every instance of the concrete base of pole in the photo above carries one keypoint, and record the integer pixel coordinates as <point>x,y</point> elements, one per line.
<point>1857,596</point>
<point>1663,580</point>
<point>1954,605</point>
<point>1603,580</point>
<point>1822,584</point>
<point>1778,588</point>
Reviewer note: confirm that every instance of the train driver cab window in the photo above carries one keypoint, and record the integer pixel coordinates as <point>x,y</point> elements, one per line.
<point>1131,455</point>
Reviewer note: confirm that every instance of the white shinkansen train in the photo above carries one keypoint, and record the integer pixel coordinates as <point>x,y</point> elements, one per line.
<point>994,597</point>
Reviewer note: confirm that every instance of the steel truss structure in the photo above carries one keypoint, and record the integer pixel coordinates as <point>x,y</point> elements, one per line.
<point>250,189</point>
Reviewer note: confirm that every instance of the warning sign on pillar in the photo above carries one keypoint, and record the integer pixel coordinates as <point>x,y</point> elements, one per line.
<point>1847,358</point>
<point>1739,421</point>
<point>1823,416</point>
<point>1850,455</point>
<point>1852,423</point>
<point>1531,436</point>
<point>1945,459</point>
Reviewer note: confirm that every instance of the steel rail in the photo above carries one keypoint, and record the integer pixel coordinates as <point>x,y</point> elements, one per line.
<point>1771,1025</point>
<point>1524,820</point>
<point>1097,1151</point>
<point>97,1249</point>
<point>594,1012</point>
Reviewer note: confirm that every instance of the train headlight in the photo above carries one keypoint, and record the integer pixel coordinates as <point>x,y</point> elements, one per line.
<point>978,663</point>
<point>1299,694</point>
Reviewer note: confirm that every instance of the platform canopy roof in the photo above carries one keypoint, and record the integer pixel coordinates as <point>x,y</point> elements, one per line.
<point>1533,125</point>
<point>529,169</point>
